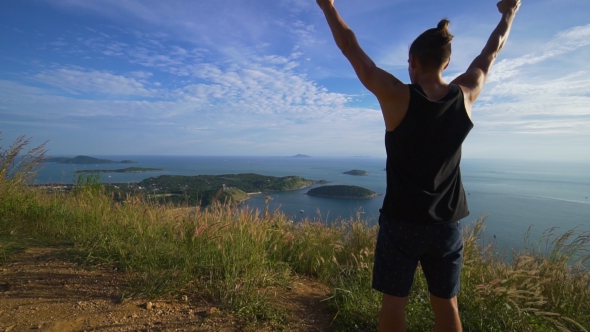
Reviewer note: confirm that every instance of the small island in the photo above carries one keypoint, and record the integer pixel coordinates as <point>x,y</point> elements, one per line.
<point>123,170</point>
<point>342,191</point>
<point>85,160</point>
<point>356,172</point>
<point>300,156</point>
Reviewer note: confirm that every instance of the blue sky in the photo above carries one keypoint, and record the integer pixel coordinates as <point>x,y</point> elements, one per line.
<point>243,77</point>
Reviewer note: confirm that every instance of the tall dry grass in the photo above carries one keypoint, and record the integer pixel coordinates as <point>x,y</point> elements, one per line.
<point>237,256</point>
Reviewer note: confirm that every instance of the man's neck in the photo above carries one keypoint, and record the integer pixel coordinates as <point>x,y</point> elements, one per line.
<point>433,85</point>
<point>429,79</point>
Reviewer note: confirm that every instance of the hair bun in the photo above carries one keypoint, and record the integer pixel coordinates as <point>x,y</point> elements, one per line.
<point>443,31</point>
<point>443,24</point>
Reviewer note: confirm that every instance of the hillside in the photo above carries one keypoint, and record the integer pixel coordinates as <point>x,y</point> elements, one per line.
<point>76,260</point>
<point>94,298</point>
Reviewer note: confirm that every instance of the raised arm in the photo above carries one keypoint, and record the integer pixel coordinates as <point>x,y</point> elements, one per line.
<point>475,77</point>
<point>381,83</point>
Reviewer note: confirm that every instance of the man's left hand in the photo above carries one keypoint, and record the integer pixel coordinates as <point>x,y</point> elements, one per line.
<point>323,3</point>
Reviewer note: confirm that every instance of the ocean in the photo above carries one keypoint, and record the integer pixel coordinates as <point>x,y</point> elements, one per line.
<point>513,195</point>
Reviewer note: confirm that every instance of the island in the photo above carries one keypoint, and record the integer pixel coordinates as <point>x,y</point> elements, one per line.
<point>356,172</point>
<point>300,156</point>
<point>123,170</point>
<point>342,191</point>
<point>203,190</point>
<point>83,160</point>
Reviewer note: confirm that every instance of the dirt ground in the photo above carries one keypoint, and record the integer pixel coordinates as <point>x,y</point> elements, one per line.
<point>40,290</point>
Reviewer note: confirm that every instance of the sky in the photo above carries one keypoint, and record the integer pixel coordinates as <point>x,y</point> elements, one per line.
<point>264,77</point>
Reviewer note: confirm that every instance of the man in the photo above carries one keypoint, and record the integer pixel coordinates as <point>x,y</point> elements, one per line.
<point>426,122</point>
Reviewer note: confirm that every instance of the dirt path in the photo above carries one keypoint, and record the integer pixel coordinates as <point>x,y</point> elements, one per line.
<point>39,290</point>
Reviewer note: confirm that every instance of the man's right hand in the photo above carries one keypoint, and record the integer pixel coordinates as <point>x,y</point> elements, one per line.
<point>507,6</point>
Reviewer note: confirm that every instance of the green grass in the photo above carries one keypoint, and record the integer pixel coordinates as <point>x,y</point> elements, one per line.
<point>10,246</point>
<point>235,257</point>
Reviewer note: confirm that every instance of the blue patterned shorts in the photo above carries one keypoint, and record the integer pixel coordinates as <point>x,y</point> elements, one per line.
<point>400,246</point>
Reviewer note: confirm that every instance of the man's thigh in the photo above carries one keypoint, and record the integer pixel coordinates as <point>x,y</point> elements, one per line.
<point>398,249</point>
<point>443,260</point>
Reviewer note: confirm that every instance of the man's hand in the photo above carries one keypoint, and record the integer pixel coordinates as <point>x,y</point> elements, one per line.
<point>505,6</point>
<point>473,80</point>
<point>323,3</point>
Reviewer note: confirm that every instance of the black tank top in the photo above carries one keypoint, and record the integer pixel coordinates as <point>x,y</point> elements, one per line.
<point>423,155</point>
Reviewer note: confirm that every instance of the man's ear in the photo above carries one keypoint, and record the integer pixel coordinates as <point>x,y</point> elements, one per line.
<point>413,62</point>
<point>448,62</point>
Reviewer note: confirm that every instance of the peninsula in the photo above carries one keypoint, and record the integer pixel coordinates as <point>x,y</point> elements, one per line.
<point>205,189</point>
<point>83,160</point>
<point>342,191</point>
<point>123,170</point>
<point>356,172</point>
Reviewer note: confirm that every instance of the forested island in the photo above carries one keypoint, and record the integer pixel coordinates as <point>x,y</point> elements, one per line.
<point>204,189</point>
<point>357,172</point>
<point>82,160</point>
<point>123,170</point>
<point>342,191</point>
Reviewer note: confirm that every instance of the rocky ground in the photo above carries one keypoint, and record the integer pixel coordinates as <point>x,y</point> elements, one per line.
<point>40,289</point>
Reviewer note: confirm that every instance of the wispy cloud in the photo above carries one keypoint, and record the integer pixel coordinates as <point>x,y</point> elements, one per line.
<point>260,77</point>
<point>562,43</point>
<point>77,80</point>
<point>529,95</point>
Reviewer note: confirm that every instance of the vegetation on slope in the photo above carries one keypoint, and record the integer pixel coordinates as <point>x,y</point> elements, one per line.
<point>241,258</point>
<point>202,190</point>
<point>357,172</point>
<point>342,191</point>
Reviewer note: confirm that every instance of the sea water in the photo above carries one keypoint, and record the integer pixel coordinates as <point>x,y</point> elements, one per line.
<point>514,196</point>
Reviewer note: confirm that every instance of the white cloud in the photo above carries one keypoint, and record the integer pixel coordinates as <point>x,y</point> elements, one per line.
<point>538,93</point>
<point>564,42</point>
<point>75,80</point>
<point>242,73</point>
<point>255,100</point>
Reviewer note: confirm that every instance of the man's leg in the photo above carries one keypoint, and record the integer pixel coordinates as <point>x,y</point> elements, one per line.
<point>441,265</point>
<point>396,257</point>
<point>446,314</point>
<point>392,315</point>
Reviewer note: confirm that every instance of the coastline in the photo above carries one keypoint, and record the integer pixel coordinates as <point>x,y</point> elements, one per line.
<point>275,191</point>
<point>279,191</point>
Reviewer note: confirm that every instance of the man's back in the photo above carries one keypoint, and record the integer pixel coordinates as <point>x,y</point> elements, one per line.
<point>423,155</point>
